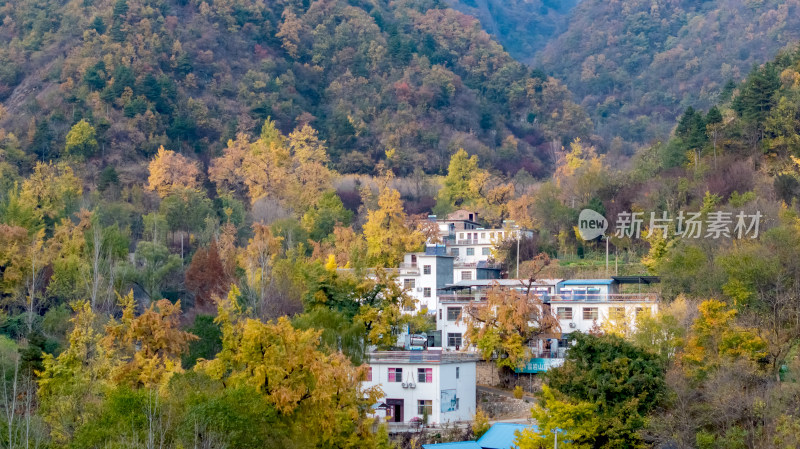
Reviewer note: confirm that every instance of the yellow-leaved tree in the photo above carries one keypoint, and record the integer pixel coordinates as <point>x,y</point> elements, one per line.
<point>715,338</point>
<point>170,171</point>
<point>320,391</point>
<point>290,169</point>
<point>504,323</point>
<point>147,348</point>
<point>72,385</point>
<point>387,231</point>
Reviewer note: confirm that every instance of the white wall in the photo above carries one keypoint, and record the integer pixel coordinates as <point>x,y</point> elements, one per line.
<point>603,309</point>
<point>465,390</point>
<point>443,379</point>
<point>421,280</point>
<point>446,326</point>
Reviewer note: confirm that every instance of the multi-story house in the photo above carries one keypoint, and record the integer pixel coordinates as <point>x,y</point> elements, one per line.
<point>454,298</point>
<point>422,274</point>
<point>579,305</point>
<point>583,304</point>
<point>427,384</point>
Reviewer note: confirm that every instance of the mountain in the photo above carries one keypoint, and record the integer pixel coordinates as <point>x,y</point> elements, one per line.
<point>636,65</point>
<point>370,75</point>
<point>523,27</point>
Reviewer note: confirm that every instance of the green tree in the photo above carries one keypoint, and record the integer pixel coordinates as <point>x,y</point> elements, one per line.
<point>81,140</point>
<point>152,264</point>
<point>601,396</point>
<point>329,212</point>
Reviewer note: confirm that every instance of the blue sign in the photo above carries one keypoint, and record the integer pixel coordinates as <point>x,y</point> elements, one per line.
<point>540,365</point>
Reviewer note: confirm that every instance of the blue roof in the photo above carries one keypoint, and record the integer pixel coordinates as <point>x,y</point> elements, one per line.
<point>588,282</point>
<point>458,445</point>
<point>501,436</point>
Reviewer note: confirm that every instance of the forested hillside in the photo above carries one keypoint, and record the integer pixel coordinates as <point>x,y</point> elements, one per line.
<point>370,76</point>
<point>717,367</point>
<point>635,65</point>
<point>523,27</point>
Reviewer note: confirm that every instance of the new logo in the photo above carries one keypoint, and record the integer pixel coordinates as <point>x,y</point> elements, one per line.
<point>591,224</point>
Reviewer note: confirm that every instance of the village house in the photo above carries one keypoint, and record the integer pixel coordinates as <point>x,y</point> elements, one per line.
<point>424,385</point>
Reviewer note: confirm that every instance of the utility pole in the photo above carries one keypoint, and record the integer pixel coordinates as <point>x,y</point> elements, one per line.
<point>518,236</point>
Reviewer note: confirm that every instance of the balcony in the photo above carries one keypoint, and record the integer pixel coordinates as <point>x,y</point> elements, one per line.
<point>480,264</point>
<point>453,298</point>
<point>409,268</point>
<point>609,297</point>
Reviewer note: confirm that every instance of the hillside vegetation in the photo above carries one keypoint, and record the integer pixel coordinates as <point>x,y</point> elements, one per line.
<point>636,65</point>
<point>522,27</point>
<point>370,76</point>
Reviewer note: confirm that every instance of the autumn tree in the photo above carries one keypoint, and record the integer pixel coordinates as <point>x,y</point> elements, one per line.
<point>206,277</point>
<point>504,324</point>
<point>580,173</point>
<point>715,338</point>
<point>72,385</point>
<point>463,184</point>
<point>286,367</point>
<point>147,348</point>
<point>291,169</point>
<point>52,191</point>
<point>387,232</point>
<point>258,258</point>
<point>170,170</point>
<point>13,241</point>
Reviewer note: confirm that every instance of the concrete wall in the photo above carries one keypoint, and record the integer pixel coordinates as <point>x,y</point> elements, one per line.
<point>444,378</point>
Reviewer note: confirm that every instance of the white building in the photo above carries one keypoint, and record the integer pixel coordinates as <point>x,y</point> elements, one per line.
<point>428,383</point>
<point>470,243</point>
<point>455,297</point>
<point>582,304</point>
<point>422,274</point>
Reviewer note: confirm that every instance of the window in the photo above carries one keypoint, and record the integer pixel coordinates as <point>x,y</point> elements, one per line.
<point>453,313</point>
<point>425,407</point>
<point>457,372</point>
<point>424,375</point>
<point>409,284</point>
<point>470,251</point>
<point>616,313</point>
<point>491,235</point>
<point>454,252</point>
<point>466,275</point>
<point>640,310</point>
<point>486,251</point>
<point>590,313</point>
<point>483,235</point>
<point>426,292</point>
<point>395,374</point>
<point>564,313</point>
<point>461,236</point>
<point>440,314</point>
<point>369,374</point>
<point>426,269</point>
<point>454,339</point>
